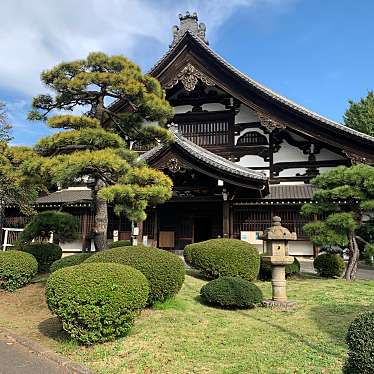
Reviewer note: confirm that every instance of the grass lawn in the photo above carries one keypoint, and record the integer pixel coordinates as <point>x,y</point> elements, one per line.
<point>185,336</point>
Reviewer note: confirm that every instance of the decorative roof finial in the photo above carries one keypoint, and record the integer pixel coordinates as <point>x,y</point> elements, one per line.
<point>188,22</point>
<point>173,127</point>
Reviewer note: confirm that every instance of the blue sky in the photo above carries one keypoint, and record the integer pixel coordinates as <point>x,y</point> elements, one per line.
<point>319,53</point>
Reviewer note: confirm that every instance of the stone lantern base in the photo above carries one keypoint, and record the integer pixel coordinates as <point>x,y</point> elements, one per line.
<point>279,305</point>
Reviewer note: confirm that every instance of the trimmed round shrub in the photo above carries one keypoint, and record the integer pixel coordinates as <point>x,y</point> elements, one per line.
<point>329,265</point>
<point>119,243</point>
<point>71,260</point>
<point>231,292</point>
<point>45,254</point>
<point>96,302</point>
<point>360,340</point>
<point>164,270</point>
<point>224,257</point>
<point>265,269</point>
<point>16,269</point>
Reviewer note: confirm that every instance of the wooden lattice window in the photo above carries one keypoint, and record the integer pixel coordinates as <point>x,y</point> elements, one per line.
<point>207,128</point>
<point>258,218</point>
<point>252,138</point>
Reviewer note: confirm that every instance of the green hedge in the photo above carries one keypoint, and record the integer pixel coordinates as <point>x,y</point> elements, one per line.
<point>231,292</point>
<point>69,261</point>
<point>96,302</point>
<point>164,271</point>
<point>265,269</point>
<point>360,340</point>
<point>119,243</point>
<point>224,257</point>
<point>16,269</point>
<point>329,265</point>
<point>45,254</point>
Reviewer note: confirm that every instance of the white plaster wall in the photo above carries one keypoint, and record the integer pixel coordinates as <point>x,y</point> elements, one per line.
<point>213,107</point>
<point>292,183</point>
<point>325,154</point>
<point>300,248</point>
<point>182,109</point>
<point>252,161</point>
<point>246,115</point>
<point>323,169</point>
<point>292,172</point>
<point>295,248</point>
<point>288,153</point>
<point>257,129</point>
<point>75,246</point>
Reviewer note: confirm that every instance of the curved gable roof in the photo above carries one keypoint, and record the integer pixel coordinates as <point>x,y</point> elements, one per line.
<point>230,171</point>
<point>253,87</point>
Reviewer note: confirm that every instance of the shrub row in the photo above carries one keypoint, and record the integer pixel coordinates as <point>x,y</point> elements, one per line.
<point>265,269</point>
<point>119,243</point>
<point>360,340</point>
<point>45,254</point>
<point>97,302</point>
<point>165,271</point>
<point>69,261</point>
<point>329,265</point>
<point>231,292</point>
<point>224,257</point>
<point>16,269</point>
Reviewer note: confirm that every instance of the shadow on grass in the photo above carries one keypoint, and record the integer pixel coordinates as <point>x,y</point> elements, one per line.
<point>335,319</point>
<point>52,328</point>
<point>314,346</point>
<point>196,274</point>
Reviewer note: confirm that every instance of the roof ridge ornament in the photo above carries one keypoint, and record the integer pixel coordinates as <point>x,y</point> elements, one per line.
<point>173,127</point>
<point>188,23</point>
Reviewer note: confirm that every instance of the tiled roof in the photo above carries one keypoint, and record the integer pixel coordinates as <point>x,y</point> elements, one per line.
<point>265,90</point>
<point>66,196</point>
<point>277,192</point>
<point>290,192</point>
<point>206,157</point>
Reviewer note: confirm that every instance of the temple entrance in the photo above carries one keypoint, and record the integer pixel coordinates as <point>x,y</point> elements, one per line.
<point>180,224</point>
<point>202,229</point>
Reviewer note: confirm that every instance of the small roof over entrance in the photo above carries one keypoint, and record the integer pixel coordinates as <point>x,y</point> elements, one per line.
<point>184,152</point>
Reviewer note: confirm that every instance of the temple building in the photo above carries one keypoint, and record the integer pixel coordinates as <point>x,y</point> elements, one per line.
<point>242,154</point>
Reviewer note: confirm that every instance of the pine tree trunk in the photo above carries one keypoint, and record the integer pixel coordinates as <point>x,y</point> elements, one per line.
<point>101,219</point>
<point>351,270</point>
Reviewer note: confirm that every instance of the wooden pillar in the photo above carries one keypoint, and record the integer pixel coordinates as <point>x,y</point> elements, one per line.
<point>226,219</point>
<point>271,156</point>
<point>139,225</point>
<point>155,228</point>
<point>315,248</point>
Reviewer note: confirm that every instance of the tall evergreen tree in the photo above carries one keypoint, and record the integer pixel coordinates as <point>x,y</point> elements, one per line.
<point>360,115</point>
<point>344,194</point>
<point>96,144</point>
<point>17,187</point>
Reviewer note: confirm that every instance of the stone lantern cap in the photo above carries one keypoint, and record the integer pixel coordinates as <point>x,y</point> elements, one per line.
<point>278,232</point>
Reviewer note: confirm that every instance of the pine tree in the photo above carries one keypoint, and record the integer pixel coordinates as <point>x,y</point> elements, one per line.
<point>17,187</point>
<point>360,115</point>
<point>344,194</point>
<point>120,106</point>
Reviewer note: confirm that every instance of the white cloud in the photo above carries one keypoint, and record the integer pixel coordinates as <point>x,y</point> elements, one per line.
<point>37,34</point>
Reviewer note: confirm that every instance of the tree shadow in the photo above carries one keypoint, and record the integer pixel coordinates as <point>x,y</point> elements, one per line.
<point>335,319</point>
<point>52,328</point>
<point>314,346</point>
<point>196,274</point>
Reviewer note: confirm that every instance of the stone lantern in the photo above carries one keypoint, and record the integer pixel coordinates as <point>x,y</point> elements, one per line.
<point>276,255</point>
